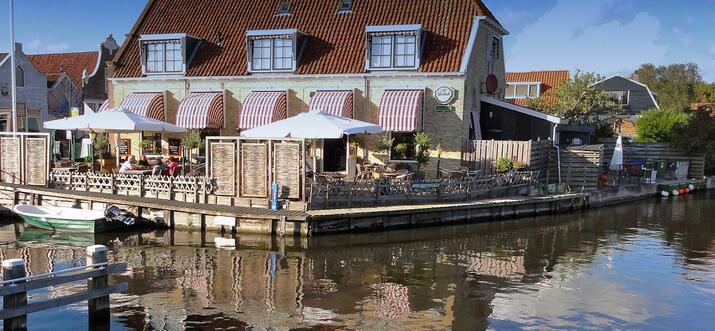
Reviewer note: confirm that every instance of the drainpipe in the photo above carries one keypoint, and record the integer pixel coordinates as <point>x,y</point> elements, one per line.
<point>558,152</point>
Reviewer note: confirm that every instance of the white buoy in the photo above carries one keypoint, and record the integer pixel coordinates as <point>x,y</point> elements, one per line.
<point>664,193</point>
<point>691,187</point>
<point>676,193</point>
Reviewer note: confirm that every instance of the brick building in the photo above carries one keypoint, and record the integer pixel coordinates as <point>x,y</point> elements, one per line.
<point>226,66</point>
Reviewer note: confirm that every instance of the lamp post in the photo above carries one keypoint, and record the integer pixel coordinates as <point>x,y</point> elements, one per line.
<point>440,149</point>
<point>13,66</point>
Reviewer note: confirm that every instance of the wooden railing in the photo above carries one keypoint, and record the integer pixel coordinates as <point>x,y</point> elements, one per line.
<point>95,270</point>
<point>376,193</point>
<point>165,187</point>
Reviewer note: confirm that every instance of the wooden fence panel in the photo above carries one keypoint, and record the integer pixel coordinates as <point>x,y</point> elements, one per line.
<point>656,152</point>
<point>482,155</point>
<point>254,170</point>
<point>36,161</point>
<point>580,166</point>
<point>10,161</point>
<point>223,167</point>
<point>287,170</point>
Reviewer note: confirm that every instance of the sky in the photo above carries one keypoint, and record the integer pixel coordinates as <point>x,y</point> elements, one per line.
<point>603,36</point>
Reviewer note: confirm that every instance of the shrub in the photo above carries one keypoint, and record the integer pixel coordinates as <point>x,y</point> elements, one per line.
<point>192,140</point>
<point>697,136</point>
<point>504,164</point>
<point>383,143</point>
<point>424,144</point>
<point>657,125</point>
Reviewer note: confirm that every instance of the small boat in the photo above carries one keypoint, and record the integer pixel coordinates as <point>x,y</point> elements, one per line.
<point>67,219</point>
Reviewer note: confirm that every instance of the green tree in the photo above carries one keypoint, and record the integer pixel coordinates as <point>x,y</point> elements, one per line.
<point>675,84</point>
<point>656,125</point>
<point>698,136</point>
<point>705,93</point>
<point>576,99</point>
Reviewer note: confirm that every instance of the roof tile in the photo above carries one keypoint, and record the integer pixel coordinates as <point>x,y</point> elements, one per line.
<point>73,64</point>
<point>336,42</point>
<point>549,79</point>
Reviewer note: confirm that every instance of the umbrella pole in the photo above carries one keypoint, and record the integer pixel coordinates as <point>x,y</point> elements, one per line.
<point>116,146</point>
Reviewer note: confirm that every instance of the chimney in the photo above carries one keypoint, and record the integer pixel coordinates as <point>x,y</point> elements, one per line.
<point>18,47</point>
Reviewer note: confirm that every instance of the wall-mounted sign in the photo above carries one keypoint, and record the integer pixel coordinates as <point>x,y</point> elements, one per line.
<point>444,95</point>
<point>444,108</point>
<point>4,90</point>
<point>125,147</point>
<point>74,111</point>
<point>492,83</point>
<point>174,147</point>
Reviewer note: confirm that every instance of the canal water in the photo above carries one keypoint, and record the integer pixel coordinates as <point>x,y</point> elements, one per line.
<point>643,265</point>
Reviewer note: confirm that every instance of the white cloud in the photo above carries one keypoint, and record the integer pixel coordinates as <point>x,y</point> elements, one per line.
<point>36,45</point>
<point>583,35</point>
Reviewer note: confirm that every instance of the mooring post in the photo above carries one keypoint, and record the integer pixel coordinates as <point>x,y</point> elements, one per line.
<point>99,307</point>
<point>13,269</point>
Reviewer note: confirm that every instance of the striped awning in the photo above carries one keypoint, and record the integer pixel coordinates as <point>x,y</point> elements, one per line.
<point>400,109</point>
<point>338,103</point>
<point>201,110</point>
<point>261,108</point>
<point>104,106</point>
<point>147,104</point>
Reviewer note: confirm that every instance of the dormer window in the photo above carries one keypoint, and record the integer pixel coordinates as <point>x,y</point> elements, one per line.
<point>394,47</point>
<point>346,6</point>
<point>273,50</point>
<point>285,8</point>
<point>522,90</point>
<point>167,53</point>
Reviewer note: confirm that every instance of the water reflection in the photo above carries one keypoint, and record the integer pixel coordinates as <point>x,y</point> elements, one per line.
<point>644,265</point>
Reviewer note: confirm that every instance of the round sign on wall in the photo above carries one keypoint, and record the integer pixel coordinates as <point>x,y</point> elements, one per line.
<point>444,95</point>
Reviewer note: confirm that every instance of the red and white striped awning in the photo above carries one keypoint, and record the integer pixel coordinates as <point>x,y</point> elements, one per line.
<point>338,103</point>
<point>261,108</point>
<point>201,110</point>
<point>399,110</point>
<point>147,104</point>
<point>104,106</point>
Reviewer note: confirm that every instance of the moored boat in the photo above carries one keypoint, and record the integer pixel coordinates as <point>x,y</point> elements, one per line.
<point>66,219</point>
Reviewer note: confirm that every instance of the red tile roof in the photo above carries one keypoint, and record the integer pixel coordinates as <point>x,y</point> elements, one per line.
<point>72,64</point>
<point>549,80</point>
<point>336,41</point>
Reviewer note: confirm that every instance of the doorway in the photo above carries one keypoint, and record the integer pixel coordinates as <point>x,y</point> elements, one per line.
<point>334,154</point>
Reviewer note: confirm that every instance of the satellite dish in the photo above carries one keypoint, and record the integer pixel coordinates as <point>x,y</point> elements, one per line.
<point>492,83</point>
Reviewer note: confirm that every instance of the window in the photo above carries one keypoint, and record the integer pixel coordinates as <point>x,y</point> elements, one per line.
<point>394,50</point>
<point>403,146</point>
<point>273,50</point>
<point>155,143</point>
<point>164,57</point>
<point>493,53</point>
<point>4,122</point>
<point>19,77</point>
<point>29,124</point>
<point>393,46</point>
<point>346,6</point>
<point>619,97</point>
<point>522,90</point>
<point>285,8</point>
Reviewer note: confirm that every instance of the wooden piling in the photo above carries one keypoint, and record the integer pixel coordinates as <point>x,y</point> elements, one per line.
<point>12,269</point>
<point>99,307</point>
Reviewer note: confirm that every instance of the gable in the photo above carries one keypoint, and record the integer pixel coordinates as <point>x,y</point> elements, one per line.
<point>71,64</point>
<point>335,41</point>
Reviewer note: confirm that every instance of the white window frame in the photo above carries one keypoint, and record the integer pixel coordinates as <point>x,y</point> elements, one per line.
<point>179,38</point>
<point>393,31</point>
<point>272,35</point>
<point>528,84</point>
<point>627,93</point>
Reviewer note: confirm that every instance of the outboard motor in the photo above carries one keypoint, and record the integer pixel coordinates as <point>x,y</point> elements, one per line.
<point>114,213</point>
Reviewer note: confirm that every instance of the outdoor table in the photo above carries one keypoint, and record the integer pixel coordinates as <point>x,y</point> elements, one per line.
<point>139,172</point>
<point>70,169</point>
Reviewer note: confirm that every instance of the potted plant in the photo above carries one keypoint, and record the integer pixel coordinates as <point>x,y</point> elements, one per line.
<point>519,166</point>
<point>423,145</point>
<point>504,164</point>
<point>192,141</point>
<point>382,146</point>
<point>400,151</point>
<point>106,159</point>
<point>146,146</point>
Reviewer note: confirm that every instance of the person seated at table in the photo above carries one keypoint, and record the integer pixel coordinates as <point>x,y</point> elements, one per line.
<point>159,167</point>
<point>129,164</point>
<point>173,166</point>
<point>144,162</point>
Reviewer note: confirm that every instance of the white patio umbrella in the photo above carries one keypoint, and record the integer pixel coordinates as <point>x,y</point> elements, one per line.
<point>313,125</point>
<point>113,121</point>
<point>617,159</point>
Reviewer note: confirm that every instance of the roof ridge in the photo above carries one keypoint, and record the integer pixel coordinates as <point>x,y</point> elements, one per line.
<point>64,53</point>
